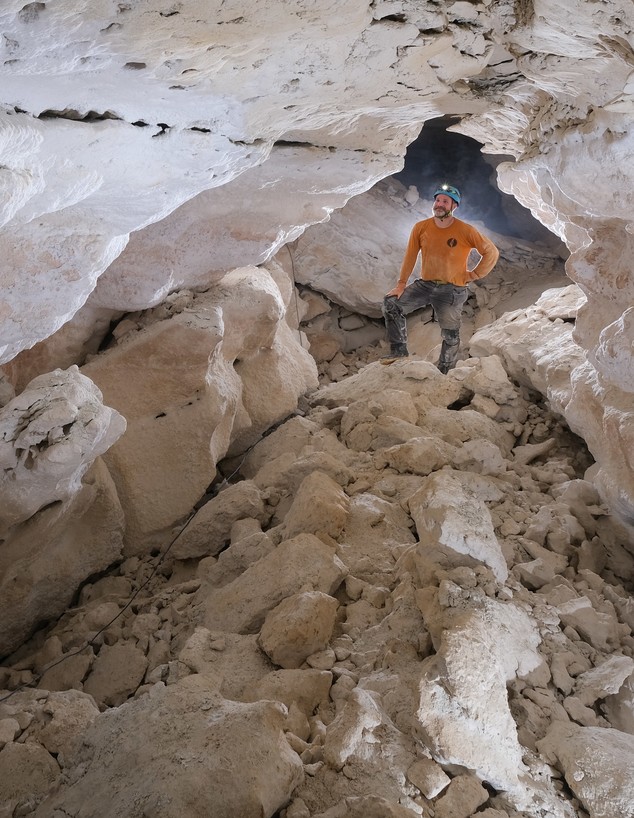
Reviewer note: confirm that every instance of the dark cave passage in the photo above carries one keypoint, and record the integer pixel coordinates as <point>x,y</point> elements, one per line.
<point>439,155</point>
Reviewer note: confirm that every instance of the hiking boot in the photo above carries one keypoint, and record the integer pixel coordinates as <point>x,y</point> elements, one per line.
<point>397,351</point>
<point>448,357</point>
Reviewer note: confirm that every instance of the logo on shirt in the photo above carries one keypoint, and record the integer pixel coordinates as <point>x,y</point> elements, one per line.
<point>452,242</point>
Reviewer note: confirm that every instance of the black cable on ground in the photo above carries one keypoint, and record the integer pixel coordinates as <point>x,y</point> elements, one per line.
<point>90,642</point>
<point>288,247</point>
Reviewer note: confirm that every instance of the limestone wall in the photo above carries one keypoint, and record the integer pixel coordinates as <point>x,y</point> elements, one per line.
<point>149,148</point>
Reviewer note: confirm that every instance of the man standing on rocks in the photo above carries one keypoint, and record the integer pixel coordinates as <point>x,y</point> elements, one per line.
<point>444,243</point>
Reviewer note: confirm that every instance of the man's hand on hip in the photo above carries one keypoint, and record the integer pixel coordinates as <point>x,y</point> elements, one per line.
<point>397,291</point>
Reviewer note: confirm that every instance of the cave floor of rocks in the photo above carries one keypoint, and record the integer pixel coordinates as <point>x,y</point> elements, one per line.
<point>461,615</point>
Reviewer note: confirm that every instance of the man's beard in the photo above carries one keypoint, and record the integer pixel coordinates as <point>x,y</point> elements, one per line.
<point>441,213</point>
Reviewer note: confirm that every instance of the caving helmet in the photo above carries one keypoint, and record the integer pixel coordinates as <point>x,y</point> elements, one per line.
<point>448,190</point>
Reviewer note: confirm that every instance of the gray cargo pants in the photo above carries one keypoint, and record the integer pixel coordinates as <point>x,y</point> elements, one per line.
<point>447,301</point>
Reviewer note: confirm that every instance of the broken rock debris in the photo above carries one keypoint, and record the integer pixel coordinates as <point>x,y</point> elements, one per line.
<point>404,607</point>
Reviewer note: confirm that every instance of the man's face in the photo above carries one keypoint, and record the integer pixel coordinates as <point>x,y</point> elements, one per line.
<point>443,206</point>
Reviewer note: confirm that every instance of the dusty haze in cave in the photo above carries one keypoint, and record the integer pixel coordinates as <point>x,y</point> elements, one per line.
<point>438,155</point>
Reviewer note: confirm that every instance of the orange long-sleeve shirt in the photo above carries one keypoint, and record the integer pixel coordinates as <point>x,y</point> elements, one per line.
<point>445,250</point>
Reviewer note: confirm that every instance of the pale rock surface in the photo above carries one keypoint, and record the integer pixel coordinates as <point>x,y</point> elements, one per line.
<point>210,90</point>
<point>336,258</point>
<point>541,570</point>
<point>463,796</point>
<point>231,661</point>
<point>285,472</point>
<point>9,729</point>
<point>297,437</point>
<point>87,163</point>
<point>207,532</point>
<point>412,195</point>
<point>81,336</point>
<point>427,665</point>
<point>455,718</point>
<point>597,627</point>
<point>242,552</point>
<point>27,771</point>
<point>70,673</point>
<point>458,427</point>
<point>69,267</point>
<point>367,806</point>
<point>523,455</point>
<point>285,363</point>
<point>193,382</point>
<point>50,434</point>
<point>307,689</point>
<point>490,380</point>
<point>607,427</point>
<point>299,626</point>
<point>428,776</point>
<point>380,433</point>
<point>420,378</point>
<point>311,304</point>
<point>182,70</point>
<point>394,402</point>
<point>68,714</point>
<point>159,378</point>
<point>422,455</point>
<point>540,349</point>
<point>454,524</point>
<point>175,252</point>
<point>431,393</point>
<point>604,680</point>
<point>597,764</point>
<point>598,236</point>
<point>363,743</point>
<point>349,730</point>
<point>116,674</point>
<point>242,605</point>
<point>619,707</point>
<point>45,559</point>
<point>320,505</point>
<point>7,390</point>
<point>480,456</point>
<point>226,739</point>
<point>354,258</point>
<point>537,344</point>
<point>375,532</point>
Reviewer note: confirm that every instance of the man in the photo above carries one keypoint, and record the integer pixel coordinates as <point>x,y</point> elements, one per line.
<point>444,243</point>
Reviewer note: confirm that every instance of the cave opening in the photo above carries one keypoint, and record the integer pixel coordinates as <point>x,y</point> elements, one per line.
<point>440,155</point>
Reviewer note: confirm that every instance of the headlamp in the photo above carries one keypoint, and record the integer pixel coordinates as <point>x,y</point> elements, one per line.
<point>448,190</point>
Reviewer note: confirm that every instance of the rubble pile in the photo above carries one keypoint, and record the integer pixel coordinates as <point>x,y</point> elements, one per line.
<point>405,601</point>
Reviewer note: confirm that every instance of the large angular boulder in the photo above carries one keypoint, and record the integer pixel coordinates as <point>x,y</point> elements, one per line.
<point>241,606</point>
<point>183,379</point>
<point>49,436</point>
<point>598,765</point>
<point>45,559</point>
<point>454,523</point>
<point>183,750</point>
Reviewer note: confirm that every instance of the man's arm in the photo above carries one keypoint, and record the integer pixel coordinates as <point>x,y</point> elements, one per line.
<point>409,260</point>
<point>489,253</point>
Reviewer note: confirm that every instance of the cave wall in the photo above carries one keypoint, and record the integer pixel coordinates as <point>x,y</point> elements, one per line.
<point>150,148</point>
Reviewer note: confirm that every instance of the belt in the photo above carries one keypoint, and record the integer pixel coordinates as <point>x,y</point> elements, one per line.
<point>437,281</point>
